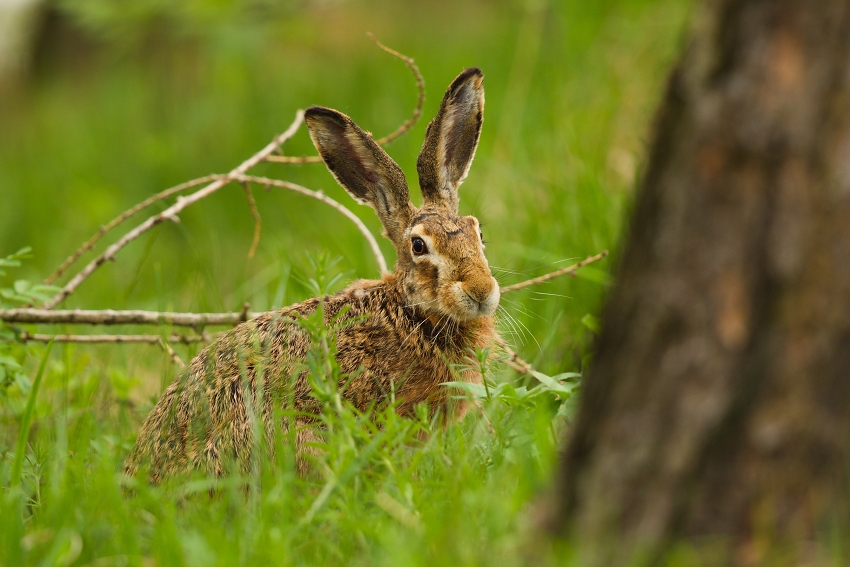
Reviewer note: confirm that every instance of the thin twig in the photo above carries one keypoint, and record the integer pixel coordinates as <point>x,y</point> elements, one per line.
<point>373,244</point>
<point>562,272</point>
<point>401,130</point>
<point>514,361</point>
<point>420,87</point>
<point>121,218</point>
<point>172,211</point>
<point>150,339</point>
<point>258,222</point>
<point>173,355</point>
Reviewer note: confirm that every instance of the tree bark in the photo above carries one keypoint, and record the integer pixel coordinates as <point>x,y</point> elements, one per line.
<point>719,398</point>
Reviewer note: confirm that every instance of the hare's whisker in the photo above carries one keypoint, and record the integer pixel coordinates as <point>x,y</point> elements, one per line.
<point>446,320</point>
<point>553,294</point>
<point>492,267</point>
<point>530,333</point>
<point>416,328</point>
<point>420,303</point>
<point>510,321</point>
<point>521,309</point>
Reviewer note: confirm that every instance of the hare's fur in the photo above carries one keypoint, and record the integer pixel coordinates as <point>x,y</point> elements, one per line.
<point>411,326</point>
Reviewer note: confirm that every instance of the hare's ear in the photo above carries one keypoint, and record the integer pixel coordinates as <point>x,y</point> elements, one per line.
<point>362,167</point>
<point>451,140</point>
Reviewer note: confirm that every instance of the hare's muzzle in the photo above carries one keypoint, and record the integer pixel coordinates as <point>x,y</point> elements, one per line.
<point>479,297</point>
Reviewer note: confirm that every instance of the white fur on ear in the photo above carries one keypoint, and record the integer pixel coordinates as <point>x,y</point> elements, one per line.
<point>451,140</point>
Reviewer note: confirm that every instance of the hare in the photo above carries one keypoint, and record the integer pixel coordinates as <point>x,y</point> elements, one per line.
<point>411,325</point>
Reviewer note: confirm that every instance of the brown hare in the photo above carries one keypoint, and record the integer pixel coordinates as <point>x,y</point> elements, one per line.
<point>411,325</point>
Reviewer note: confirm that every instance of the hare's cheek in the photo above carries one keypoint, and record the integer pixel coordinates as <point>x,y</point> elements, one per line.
<point>428,276</point>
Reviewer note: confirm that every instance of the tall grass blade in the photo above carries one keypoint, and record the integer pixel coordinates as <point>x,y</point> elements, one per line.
<point>26,422</point>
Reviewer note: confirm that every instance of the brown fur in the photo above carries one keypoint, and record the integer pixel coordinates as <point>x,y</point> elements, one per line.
<point>416,322</point>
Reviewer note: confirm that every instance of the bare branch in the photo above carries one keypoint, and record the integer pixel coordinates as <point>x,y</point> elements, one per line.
<point>258,222</point>
<point>557,273</point>
<point>124,216</point>
<point>373,244</point>
<point>171,212</point>
<point>296,160</point>
<point>134,317</point>
<point>150,339</point>
<point>401,130</point>
<point>200,320</point>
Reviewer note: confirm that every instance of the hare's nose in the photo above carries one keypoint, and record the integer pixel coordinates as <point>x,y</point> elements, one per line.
<point>479,289</point>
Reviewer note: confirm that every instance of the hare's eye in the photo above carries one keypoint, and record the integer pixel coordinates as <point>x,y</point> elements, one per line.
<point>419,247</point>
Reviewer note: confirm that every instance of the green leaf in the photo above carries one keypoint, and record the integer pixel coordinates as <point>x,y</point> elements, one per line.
<point>23,382</point>
<point>566,376</point>
<point>592,323</point>
<point>562,390</point>
<point>594,275</point>
<point>476,390</point>
<point>9,362</point>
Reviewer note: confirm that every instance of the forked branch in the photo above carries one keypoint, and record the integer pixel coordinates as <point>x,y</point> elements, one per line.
<point>401,130</point>
<point>121,218</point>
<point>216,182</point>
<point>171,212</point>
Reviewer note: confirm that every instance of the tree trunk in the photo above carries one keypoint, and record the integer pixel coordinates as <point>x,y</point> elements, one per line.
<point>719,398</point>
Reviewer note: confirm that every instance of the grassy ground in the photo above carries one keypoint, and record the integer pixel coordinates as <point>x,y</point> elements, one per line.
<point>157,95</point>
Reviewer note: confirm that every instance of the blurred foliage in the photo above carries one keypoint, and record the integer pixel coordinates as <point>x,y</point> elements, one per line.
<point>129,97</point>
<point>13,353</point>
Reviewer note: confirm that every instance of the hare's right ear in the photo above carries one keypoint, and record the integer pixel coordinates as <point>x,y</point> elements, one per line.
<point>451,140</point>
<point>362,167</point>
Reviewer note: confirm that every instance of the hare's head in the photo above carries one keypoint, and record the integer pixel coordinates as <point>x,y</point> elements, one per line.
<point>441,264</point>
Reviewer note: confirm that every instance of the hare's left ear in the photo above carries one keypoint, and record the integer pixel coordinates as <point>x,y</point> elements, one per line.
<point>451,140</point>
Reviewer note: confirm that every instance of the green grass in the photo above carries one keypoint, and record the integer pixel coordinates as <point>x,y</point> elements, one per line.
<point>168,94</point>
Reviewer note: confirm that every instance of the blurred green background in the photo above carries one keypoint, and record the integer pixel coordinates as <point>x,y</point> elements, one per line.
<point>116,100</point>
<point>122,99</point>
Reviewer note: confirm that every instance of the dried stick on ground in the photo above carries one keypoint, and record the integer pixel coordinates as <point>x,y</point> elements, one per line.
<point>171,212</point>
<point>407,125</point>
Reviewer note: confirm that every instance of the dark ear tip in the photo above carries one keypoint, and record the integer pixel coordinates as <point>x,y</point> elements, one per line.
<point>321,112</point>
<point>471,75</point>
